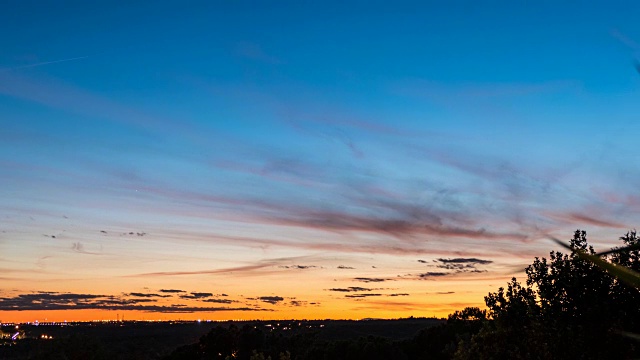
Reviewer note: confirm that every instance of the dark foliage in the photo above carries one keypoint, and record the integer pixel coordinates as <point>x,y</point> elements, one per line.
<point>568,309</point>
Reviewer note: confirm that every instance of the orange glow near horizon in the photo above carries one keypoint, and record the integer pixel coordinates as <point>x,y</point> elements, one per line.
<point>155,280</point>
<point>418,298</point>
<point>311,314</point>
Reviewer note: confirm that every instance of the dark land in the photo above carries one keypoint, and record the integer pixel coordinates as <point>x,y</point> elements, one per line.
<point>158,339</point>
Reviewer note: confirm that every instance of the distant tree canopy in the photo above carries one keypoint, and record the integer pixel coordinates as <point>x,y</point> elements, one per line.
<point>567,309</point>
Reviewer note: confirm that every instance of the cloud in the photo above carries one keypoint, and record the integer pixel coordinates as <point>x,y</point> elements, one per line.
<point>398,227</point>
<point>403,220</point>
<point>172,291</point>
<point>352,289</point>
<point>436,274</point>
<point>479,94</point>
<point>262,264</point>
<point>55,94</point>
<point>285,170</point>
<point>423,261</point>
<point>42,64</point>
<point>79,248</point>
<point>432,274</point>
<point>219,301</point>
<point>197,295</point>
<point>254,51</point>
<point>302,267</point>
<point>71,301</point>
<point>133,233</point>
<point>205,272</point>
<point>465,261</point>
<point>147,295</point>
<point>588,220</point>
<point>370,280</point>
<point>361,295</point>
<point>461,264</point>
<point>401,249</point>
<point>383,216</point>
<point>345,267</point>
<point>271,299</point>
<point>399,294</point>
<point>630,43</point>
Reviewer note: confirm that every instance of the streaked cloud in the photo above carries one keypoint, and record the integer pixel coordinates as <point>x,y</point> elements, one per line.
<point>352,289</point>
<point>366,295</point>
<point>70,301</point>
<point>196,295</point>
<point>370,280</point>
<point>147,295</point>
<point>271,299</point>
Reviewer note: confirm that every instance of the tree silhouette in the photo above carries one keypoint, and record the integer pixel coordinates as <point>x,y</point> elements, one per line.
<point>568,309</point>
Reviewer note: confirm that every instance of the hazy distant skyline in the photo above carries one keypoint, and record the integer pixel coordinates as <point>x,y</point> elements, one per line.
<point>230,160</point>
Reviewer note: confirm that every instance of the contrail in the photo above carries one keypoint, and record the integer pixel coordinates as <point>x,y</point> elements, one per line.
<point>42,63</point>
<point>624,39</point>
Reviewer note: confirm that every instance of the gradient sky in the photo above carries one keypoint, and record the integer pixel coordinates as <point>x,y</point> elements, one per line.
<point>233,159</point>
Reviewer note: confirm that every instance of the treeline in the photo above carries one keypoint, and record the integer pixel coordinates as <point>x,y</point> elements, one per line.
<point>254,343</point>
<point>567,308</point>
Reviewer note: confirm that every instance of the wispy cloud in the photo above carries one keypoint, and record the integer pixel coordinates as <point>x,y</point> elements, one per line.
<point>459,265</point>
<point>343,267</point>
<point>271,299</point>
<point>206,272</point>
<point>275,263</point>
<point>219,301</point>
<point>465,261</point>
<point>197,295</point>
<point>352,289</point>
<point>41,64</point>
<point>370,279</point>
<point>299,267</point>
<point>56,94</point>
<point>431,274</point>
<point>79,248</point>
<point>71,301</point>
<point>171,291</point>
<point>254,51</point>
<point>624,39</point>
<point>337,221</point>
<point>362,295</point>
<point>582,220</point>
<point>147,295</point>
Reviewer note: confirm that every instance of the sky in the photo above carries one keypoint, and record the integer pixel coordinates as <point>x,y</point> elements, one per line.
<point>309,160</point>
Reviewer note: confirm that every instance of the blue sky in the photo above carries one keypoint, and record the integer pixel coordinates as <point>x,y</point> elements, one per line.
<point>254,137</point>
